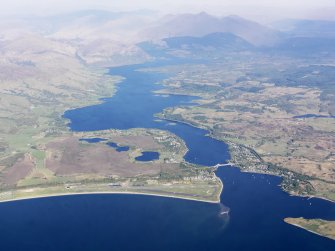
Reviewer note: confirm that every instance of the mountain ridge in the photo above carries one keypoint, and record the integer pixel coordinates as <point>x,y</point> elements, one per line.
<point>202,24</point>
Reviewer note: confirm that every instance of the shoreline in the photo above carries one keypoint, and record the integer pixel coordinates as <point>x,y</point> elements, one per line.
<point>209,134</point>
<point>115,193</point>
<point>308,230</point>
<point>100,100</point>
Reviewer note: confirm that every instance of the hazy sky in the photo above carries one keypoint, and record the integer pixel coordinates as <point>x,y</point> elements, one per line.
<point>261,9</point>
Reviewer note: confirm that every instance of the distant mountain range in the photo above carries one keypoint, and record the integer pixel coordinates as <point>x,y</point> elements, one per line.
<point>111,38</point>
<point>202,32</point>
<point>214,42</point>
<point>202,24</point>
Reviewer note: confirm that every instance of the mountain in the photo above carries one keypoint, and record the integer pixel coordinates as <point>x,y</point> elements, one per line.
<point>211,45</point>
<point>198,25</point>
<point>96,37</point>
<point>226,41</point>
<point>104,52</point>
<point>88,24</point>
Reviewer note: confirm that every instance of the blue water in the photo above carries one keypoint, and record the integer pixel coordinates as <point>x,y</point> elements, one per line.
<point>148,156</point>
<point>132,222</point>
<point>312,116</point>
<point>93,140</point>
<point>134,106</point>
<point>123,148</point>
<point>118,148</point>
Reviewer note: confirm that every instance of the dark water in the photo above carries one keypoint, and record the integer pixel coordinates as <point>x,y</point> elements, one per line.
<point>131,222</point>
<point>118,148</point>
<point>134,106</point>
<point>312,116</point>
<point>148,156</point>
<point>93,140</point>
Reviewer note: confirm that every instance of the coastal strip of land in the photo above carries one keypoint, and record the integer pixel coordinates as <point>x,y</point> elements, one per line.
<point>178,191</point>
<point>106,162</point>
<point>316,226</point>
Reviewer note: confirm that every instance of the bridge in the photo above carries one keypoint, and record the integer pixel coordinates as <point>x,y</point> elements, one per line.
<point>222,165</point>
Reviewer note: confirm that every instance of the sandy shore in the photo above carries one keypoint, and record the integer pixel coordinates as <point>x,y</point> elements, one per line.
<point>111,192</point>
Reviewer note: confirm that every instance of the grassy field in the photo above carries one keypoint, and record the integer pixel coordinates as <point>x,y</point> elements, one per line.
<point>256,115</point>
<point>39,156</point>
<point>199,191</point>
<point>36,165</point>
<point>317,226</point>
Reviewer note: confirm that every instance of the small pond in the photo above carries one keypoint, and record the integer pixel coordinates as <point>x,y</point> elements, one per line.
<point>148,156</point>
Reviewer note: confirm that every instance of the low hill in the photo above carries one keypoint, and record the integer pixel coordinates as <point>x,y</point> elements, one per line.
<point>211,45</point>
<point>225,41</point>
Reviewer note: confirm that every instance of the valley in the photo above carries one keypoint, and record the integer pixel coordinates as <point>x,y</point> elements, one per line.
<point>257,118</point>
<point>97,102</point>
